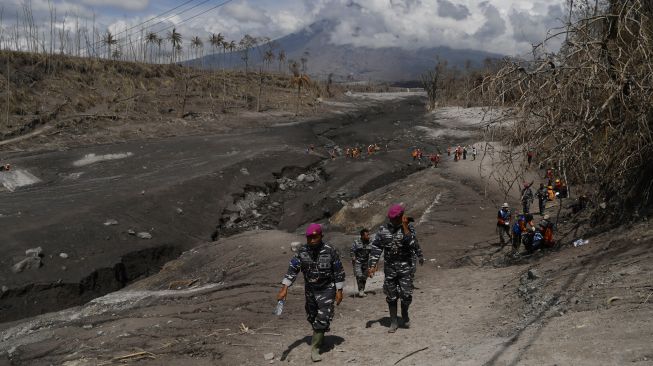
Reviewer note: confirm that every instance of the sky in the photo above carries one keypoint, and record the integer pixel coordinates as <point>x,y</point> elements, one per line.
<point>499,26</point>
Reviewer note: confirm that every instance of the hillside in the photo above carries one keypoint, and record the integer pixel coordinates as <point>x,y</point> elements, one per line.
<point>66,101</point>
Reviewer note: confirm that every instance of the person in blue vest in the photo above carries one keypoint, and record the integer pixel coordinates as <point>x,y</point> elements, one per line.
<point>503,223</point>
<point>516,232</point>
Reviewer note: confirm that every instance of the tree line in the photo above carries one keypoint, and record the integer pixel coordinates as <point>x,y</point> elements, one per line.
<point>71,35</point>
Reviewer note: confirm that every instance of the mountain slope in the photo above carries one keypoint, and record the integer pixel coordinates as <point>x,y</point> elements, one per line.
<point>360,63</point>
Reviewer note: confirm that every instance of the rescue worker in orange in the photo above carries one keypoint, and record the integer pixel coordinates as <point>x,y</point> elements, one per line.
<point>551,194</point>
<point>546,227</point>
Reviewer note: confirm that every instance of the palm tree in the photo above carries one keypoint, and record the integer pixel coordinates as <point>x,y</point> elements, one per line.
<point>198,45</point>
<point>298,79</point>
<point>225,47</point>
<point>281,57</point>
<point>268,58</point>
<point>109,40</point>
<point>175,40</point>
<point>304,60</point>
<point>150,39</point>
<point>159,42</point>
<point>178,50</point>
<point>216,40</point>
<point>232,46</point>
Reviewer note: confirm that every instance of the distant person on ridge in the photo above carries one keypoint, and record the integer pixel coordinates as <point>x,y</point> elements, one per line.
<point>360,256</point>
<point>324,278</point>
<point>474,153</point>
<point>398,242</point>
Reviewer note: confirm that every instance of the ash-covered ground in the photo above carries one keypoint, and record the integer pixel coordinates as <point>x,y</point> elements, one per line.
<point>188,238</point>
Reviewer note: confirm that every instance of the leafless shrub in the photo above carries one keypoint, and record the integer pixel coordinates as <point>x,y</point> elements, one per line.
<point>588,110</point>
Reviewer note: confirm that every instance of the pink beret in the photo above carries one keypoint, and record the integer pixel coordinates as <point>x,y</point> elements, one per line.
<point>313,229</point>
<point>395,211</point>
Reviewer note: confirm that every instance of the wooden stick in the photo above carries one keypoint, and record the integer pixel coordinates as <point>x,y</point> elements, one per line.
<point>133,355</point>
<point>410,354</point>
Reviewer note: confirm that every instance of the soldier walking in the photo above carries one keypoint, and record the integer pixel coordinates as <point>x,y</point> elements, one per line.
<point>324,278</point>
<point>527,197</point>
<point>541,198</point>
<point>398,242</point>
<point>360,255</point>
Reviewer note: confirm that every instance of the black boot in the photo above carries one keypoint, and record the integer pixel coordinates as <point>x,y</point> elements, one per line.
<point>361,287</point>
<point>318,337</point>
<point>404,314</point>
<point>392,306</point>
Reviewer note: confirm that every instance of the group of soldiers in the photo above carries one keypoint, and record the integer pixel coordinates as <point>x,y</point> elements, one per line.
<point>324,275</point>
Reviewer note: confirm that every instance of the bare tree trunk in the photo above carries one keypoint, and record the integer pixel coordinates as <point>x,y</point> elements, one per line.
<point>7,106</point>
<point>2,29</point>
<point>53,16</point>
<point>260,91</point>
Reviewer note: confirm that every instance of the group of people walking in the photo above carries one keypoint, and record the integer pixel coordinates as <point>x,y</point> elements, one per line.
<point>417,154</point>
<point>324,274</point>
<point>519,228</point>
<point>396,240</point>
<point>356,152</point>
<point>460,152</point>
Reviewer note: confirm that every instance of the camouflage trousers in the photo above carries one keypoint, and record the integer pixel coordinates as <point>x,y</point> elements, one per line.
<point>360,272</point>
<point>320,306</point>
<point>398,283</point>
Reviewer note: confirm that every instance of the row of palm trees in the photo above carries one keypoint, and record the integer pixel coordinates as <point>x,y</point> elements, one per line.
<point>298,78</point>
<point>218,42</point>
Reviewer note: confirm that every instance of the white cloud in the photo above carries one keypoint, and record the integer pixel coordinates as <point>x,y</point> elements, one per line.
<point>243,12</point>
<point>502,26</point>
<point>121,4</point>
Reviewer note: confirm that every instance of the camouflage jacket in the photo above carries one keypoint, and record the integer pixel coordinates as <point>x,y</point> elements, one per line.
<point>321,267</point>
<point>360,252</point>
<point>396,246</point>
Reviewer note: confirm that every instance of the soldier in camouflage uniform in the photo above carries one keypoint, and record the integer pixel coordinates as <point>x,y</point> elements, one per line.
<point>418,257</point>
<point>398,240</point>
<point>324,278</point>
<point>360,255</point>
